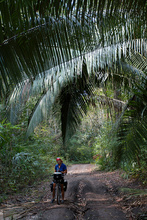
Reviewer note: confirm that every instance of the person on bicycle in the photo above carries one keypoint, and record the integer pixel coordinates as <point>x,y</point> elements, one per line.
<point>59,167</point>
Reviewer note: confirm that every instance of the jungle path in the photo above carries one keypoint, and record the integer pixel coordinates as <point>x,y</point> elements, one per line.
<point>91,194</point>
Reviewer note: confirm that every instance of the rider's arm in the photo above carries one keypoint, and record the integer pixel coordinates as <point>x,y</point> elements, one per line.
<point>65,171</point>
<point>55,168</point>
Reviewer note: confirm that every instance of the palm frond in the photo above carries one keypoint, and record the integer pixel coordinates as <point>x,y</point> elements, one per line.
<point>73,95</point>
<point>17,17</point>
<point>47,51</point>
<point>131,127</point>
<point>103,58</point>
<point>132,138</point>
<point>97,60</point>
<point>136,67</point>
<point>74,100</point>
<point>39,49</point>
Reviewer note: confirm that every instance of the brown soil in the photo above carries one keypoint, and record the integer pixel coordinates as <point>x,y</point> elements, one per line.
<point>91,194</point>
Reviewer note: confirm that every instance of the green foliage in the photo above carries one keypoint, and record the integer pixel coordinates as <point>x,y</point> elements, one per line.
<point>134,192</point>
<point>126,146</point>
<point>25,163</point>
<point>103,146</point>
<point>78,151</point>
<point>128,152</point>
<point>80,146</point>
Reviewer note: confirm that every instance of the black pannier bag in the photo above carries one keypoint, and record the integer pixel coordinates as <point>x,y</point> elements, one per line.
<point>65,185</point>
<point>58,176</point>
<point>51,186</point>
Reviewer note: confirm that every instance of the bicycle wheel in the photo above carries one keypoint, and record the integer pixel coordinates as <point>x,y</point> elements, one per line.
<point>58,194</point>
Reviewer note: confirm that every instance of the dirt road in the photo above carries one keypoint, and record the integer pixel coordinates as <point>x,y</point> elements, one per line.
<point>87,197</point>
<point>91,194</point>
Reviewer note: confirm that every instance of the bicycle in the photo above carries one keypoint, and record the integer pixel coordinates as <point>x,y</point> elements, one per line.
<point>58,178</point>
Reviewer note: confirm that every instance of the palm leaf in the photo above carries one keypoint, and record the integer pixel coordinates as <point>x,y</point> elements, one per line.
<point>74,99</point>
<point>95,61</point>
<point>50,49</point>
<point>131,126</point>
<point>25,14</point>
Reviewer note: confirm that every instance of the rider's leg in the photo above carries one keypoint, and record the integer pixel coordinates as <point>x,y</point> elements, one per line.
<point>62,190</point>
<point>54,186</point>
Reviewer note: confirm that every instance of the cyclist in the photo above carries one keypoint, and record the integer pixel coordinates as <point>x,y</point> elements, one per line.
<point>60,167</point>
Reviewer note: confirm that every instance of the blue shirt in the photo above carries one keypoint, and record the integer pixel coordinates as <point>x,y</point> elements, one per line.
<point>62,168</point>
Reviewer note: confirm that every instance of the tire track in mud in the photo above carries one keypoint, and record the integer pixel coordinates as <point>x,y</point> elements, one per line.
<point>77,186</point>
<point>88,197</point>
<point>79,206</point>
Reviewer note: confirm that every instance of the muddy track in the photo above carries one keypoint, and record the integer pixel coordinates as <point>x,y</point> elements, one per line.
<point>87,197</point>
<point>90,194</point>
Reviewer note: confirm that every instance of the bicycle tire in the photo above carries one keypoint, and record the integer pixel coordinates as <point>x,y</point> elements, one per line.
<point>58,195</point>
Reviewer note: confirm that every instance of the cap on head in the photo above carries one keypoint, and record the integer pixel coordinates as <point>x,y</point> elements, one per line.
<point>58,158</point>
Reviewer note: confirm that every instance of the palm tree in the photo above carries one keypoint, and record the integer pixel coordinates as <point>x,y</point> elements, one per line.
<point>54,48</point>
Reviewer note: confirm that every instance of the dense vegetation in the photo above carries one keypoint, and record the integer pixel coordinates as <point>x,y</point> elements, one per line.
<point>73,83</point>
